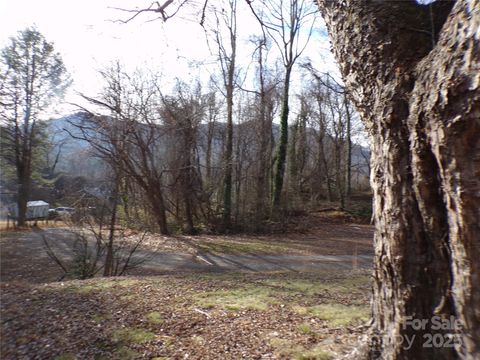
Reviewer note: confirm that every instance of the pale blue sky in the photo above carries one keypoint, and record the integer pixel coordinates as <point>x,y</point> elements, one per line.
<point>88,38</point>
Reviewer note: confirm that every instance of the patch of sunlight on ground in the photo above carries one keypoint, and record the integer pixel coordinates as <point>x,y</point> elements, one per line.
<point>257,298</point>
<point>336,314</point>
<point>101,284</point>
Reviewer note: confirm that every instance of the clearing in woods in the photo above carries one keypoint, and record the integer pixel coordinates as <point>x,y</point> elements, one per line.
<point>301,295</point>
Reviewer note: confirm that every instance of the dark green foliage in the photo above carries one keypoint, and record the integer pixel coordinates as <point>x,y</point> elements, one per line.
<point>31,75</point>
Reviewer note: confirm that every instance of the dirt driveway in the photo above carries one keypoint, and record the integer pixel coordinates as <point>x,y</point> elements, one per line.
<point>332,246</point>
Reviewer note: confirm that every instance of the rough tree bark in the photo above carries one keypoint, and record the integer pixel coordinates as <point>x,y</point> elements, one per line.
<point>417,87</point>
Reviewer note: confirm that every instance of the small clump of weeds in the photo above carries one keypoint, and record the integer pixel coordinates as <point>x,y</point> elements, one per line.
<point>306,329</point>
<point>154,318</point>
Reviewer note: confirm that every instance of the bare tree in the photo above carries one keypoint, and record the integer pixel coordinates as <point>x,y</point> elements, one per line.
<point>129,138</point>
<point>87,243</point>
<point>182,114</point>
<point>212,167</point>
<point>297,160</point>
<point>212,109</point>
<point>348,130</point>
<point>162,10</point>
<point>53,156</point>
<point>266,93</point>
<point>330,91</point>
<point>283,21</point>
<point>226,24</point>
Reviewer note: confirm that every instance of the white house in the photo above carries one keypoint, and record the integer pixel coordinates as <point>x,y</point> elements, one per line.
<point>35,209</point>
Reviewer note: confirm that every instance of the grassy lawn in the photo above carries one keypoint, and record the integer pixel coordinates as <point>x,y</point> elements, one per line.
<point>202,316</point>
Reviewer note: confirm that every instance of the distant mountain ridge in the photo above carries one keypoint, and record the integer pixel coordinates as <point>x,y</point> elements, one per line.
<point>78,158</point>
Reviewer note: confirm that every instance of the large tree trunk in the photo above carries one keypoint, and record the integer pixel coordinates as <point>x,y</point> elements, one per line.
<point>417,87</point>
<point>24,179</point>
<point>155,195</point>
<point>229,79</point>
<point>108,268</point>
<point>161,217</point>
<point>187,180</point>
<point>22,199</point>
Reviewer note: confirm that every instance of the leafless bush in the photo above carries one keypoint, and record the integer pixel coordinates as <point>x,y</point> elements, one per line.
<point>87,244</point>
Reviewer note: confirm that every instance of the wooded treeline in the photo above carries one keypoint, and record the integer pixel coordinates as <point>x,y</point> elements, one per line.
<point>168,154</point>
<point>242,152</point>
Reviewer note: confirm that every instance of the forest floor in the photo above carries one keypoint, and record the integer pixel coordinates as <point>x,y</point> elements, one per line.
<point>213,309</point>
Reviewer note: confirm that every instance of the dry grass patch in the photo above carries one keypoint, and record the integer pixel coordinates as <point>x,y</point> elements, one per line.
<point>251,297</point>
<point>337,314</point>
<point>309,287</point>
<point>287,348</point>
<point>132,336</point>
<point>154,318</point>
<point>101,285</point>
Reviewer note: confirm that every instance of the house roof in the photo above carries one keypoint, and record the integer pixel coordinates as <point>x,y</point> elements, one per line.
<point>37,203</point>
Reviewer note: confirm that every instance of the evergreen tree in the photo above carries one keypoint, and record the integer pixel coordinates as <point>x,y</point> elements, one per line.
<point>31,75</point>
